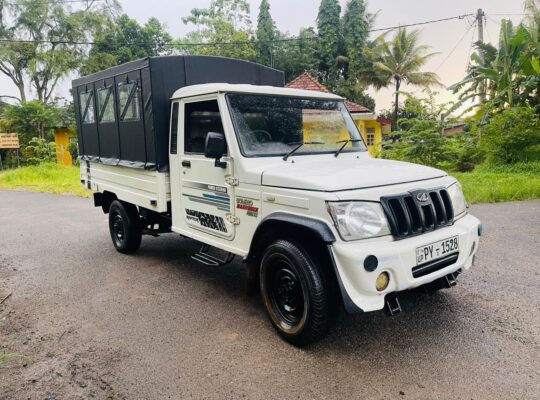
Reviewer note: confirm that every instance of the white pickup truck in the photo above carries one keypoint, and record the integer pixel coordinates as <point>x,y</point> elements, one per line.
<point>279,177</point>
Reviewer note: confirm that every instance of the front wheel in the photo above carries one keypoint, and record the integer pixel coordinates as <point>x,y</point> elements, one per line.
<point>294,292</point>
<point>125,227</point>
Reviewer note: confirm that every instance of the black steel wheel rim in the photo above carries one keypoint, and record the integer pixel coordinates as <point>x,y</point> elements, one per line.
<point>118,228</point>
<point>285,292</point>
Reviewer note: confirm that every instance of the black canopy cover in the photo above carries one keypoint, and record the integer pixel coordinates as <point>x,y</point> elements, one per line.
<point>122,113</point>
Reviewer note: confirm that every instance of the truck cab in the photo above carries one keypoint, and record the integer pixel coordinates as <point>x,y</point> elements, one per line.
<point>282,179</point>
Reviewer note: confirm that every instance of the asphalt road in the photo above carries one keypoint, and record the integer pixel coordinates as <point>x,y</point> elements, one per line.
<point>93,323</point>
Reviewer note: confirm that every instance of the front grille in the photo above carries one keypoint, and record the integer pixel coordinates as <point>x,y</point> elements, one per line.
<point>419,211</point>
<point>432,266</point>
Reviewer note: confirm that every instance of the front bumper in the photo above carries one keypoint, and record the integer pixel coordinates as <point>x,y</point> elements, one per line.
<point>397,258</point>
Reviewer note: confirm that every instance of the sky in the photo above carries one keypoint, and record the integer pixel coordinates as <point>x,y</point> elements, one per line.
<point>451,39</point>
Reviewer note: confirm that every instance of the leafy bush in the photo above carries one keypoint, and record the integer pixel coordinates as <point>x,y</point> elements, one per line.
<point>512,136</point>
<point>73,149</point>
<point>39,151</point>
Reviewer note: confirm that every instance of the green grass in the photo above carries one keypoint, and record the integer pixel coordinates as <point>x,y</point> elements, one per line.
<point>494,187</point>
<point>11,356</point>
<point>48,178</point>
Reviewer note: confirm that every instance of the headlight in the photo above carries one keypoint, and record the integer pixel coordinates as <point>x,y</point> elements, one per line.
<point>458,199</point>
<point>358,220</point>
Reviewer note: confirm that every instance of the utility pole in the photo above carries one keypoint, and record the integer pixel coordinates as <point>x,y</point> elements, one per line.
<point>480,15</point>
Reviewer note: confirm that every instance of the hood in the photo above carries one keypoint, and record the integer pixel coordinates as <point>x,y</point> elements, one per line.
<point>345,174</point>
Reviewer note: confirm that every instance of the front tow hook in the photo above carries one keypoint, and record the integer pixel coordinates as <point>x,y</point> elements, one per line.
<point>391,305</point>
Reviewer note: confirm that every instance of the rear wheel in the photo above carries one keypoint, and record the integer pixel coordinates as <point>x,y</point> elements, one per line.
<point>294,292</point>
<point>125,227</point>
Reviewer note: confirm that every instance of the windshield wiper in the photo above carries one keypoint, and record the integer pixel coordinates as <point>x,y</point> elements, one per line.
<point>345,143</point>
<point>290,153</point>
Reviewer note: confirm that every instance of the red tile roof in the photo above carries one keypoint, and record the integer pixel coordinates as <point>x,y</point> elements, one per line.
<point>306,82</point>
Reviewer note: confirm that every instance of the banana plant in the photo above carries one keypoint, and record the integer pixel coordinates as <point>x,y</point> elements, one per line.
<point>503,77</point>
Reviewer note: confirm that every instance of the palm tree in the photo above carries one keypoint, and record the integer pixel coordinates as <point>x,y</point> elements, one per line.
<point>396,62</point>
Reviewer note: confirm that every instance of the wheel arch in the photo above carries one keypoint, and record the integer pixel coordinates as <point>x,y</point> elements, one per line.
<point>105,200</point>
<point>312,234</point>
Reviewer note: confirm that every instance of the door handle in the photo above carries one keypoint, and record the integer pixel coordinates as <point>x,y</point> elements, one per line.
<point>186,164</point>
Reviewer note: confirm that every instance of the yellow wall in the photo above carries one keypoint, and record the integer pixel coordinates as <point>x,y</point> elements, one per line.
<point>62,139</point>
<point>363,125</point>
<point>319,132</point>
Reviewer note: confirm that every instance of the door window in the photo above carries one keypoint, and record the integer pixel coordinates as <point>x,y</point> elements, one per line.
<point>200,118</point>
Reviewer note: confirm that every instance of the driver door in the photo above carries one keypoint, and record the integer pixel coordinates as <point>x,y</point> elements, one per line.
<point>206,198</point>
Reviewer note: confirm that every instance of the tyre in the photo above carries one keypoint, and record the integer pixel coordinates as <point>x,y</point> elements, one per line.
<point>294,292</point>
<point>125,227</point>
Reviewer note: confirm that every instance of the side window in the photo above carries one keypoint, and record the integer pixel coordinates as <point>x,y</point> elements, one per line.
<point>200,118</point>
<point>129,103</point>
<point>105,98</point>
<point>86,102</point>
<point>174,129</point>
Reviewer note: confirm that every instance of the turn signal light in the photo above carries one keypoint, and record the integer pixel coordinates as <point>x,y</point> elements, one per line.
<point>382,281</point>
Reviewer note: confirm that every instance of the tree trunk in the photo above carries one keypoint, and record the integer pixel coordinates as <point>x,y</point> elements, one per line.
<point>396,104</point>
<point>22,93</point>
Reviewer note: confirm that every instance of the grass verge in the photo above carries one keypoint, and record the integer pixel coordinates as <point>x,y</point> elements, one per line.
<point>494,187</point>
<point>48,178</point>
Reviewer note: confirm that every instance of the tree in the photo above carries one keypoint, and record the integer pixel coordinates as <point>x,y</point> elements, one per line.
<point>330,43</point>
<point>30,119</point>
<point>43,41</point>
<point>296,56</point>
<point>123,40</point>
<point>266,34</point>
<point>226,22</point>
<point>399,61</point>
<point>356,25</point>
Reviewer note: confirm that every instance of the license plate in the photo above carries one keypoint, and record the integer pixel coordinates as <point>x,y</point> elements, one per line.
<point>436,250</point>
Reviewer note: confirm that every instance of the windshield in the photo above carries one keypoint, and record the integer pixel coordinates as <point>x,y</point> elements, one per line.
<point>275,125</point>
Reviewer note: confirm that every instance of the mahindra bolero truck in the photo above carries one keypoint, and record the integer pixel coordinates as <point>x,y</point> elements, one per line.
<point>218,151</point>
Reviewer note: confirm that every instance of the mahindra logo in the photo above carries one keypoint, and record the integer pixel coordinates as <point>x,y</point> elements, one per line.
<point>423,196</point>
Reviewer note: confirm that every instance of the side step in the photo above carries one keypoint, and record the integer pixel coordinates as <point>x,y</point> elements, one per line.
<point>203,257</point>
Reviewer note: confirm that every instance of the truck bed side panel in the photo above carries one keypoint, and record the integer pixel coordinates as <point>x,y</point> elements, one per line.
<point>148,189</point>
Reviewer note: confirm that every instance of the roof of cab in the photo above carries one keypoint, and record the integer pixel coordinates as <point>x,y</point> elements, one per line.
<point>210,88</point>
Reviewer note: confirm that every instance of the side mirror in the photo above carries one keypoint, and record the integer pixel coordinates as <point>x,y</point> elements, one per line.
<point>215,147</point>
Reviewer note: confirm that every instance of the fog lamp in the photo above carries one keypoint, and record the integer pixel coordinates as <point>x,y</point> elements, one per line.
<point>382,281</point>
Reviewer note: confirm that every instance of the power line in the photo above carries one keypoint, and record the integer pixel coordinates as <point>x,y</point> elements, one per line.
<point>455,47</point>
<point>58,2</point>
<point>422,23</point>
<point>180,44</point>
<point>470,51</point>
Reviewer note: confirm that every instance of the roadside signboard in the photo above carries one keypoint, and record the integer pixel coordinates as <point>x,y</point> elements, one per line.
<point>9,141</point>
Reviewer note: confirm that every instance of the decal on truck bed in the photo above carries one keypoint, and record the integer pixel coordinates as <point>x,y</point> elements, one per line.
<point>206,220</point>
